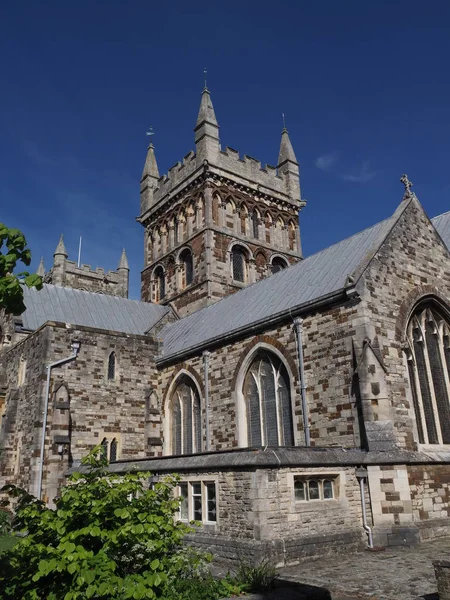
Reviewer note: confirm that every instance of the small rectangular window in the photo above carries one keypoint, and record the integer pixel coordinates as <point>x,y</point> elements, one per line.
<point>197,512</point>
<point>211,502</point>
<point>184,512</point>
<point>311,488</point>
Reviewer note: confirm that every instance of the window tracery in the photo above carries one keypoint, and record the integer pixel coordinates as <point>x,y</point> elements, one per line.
<point>267,396</point>
<point>186,418</point>
<point>428,357</point>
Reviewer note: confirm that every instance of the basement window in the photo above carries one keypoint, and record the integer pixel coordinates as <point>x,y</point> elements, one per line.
<point>198,501</point>
<point>307,489</point>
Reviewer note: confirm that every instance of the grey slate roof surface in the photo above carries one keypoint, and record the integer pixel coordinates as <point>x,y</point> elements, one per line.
<point>77,307</point>
<point>314,277</point>
<point>442,224</point>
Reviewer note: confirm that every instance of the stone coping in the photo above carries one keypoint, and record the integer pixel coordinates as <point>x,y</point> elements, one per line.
<point>273,458</point>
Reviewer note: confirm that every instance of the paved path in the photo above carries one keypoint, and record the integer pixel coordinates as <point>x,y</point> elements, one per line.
<point>394,574</point>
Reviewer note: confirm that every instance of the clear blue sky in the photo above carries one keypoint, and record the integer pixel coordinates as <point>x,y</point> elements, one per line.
<point>364,85</point>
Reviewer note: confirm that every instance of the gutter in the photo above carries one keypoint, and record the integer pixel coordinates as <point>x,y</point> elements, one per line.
<point>345,293</point>
<point>63,361</point>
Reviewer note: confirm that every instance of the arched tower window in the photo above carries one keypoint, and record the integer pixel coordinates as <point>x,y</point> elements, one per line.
<point>238,263</point>
<point>112,366</point>
<point>268,406</point>
<point>187,268</point>
<point>255,224</point>
<point>428,354</point>
<point>185,418</point>
<point>160,284</point>
<point>278,264</point>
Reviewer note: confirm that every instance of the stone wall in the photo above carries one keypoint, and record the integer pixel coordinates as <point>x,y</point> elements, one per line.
<point>333,412</point>
<point>97,407</point>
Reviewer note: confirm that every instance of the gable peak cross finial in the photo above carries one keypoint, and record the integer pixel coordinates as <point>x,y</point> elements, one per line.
<point>407,183</point>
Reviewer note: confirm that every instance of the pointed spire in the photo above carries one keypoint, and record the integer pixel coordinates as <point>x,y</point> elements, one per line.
<point>60,248</point>
<point>286,150</point>
<point>41,269</point>
<point>206,112</point>
<point>151,166</point>
<point>123,262</point>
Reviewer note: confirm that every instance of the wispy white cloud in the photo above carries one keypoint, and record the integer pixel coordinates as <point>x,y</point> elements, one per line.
<point>332,163</point>
<point>327,161</point>
<point>362,175</point>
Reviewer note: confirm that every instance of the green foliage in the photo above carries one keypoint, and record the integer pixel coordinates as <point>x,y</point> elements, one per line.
<point>109,537</point>
<point>7,542</point>
<point>205,588</point>
<point>11,293</point>
<point>5,522</point>
<point>259,577</point>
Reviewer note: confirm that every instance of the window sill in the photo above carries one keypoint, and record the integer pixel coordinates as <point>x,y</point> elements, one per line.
<point>434,447</point>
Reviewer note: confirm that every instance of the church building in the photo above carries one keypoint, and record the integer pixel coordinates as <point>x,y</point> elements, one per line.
<point>304,401</point>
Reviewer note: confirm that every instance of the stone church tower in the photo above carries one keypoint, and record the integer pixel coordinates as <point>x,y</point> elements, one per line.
<point>216,222</point>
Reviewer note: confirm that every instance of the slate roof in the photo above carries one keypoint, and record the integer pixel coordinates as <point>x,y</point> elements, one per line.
<point>442,224</point>
<point>313,278</point>
<point>77,307</point>
<point>317,276</point>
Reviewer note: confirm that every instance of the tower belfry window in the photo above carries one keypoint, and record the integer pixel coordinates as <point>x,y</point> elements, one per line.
<point>238,264</point>
<point>428,336</point>
<point>160,284</point>
<point>255,224</point>
<point>187,271</point>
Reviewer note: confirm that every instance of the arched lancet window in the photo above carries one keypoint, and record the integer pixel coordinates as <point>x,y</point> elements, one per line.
<point>187,268</point>
<point>255,224</point>
<point>112,366</point>
<point>428,355</point>
<point>160,284</point>
<point>229,214</point>
<point>238,263</point>
<point>278,264</point>
<point>113,450</point>
<point>186,418</point>
<point>267,397</point>
<point>104,448</point>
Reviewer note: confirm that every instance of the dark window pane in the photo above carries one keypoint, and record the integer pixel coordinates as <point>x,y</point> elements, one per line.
<point>212,505</point>
<point>188,268</point>
<point>278,265</point>
<point>197,422</point>
<point>268,390</point>
<point>251,396</point>
<point>197,501</point>
<point>113,450</point>
<point>104,448</point>
<point>255,224</point>
<point>299,490</point>
<point>238,265</point>
<point>184,502</point>
<point>284,396</point>
<point>440,387</point>
<point>425,388</point>
<point>415,401</point>
<point>313,487</point>
<point>327,489</point>
<point>112,366</point>
<point>187,418</point>
<point>176,427</point>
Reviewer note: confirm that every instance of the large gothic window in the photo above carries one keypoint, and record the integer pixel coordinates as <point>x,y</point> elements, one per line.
<point>185,416</point>
<point>238,263</point>
<point>428,357</point>
<point>160,284</point>
<point>187,270</point>
<point>268,402</point>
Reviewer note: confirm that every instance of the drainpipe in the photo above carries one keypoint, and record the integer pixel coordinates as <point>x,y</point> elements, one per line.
<point>298,322</point>
<point>361,474</point>
<point>75,348</point>
<point>206,356</point>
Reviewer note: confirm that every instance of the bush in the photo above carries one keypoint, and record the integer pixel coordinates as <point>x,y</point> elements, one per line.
<point>109,537</point>
<point>259,577</point>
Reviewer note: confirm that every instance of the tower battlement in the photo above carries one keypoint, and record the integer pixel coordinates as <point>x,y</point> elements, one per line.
<point>67,273</point>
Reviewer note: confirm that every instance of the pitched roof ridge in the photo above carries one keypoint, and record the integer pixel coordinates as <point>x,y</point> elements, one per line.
<point>383,235</point>
<point>447,212</point>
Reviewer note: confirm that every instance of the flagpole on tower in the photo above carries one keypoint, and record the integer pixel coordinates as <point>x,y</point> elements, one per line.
<point>79,252</point>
